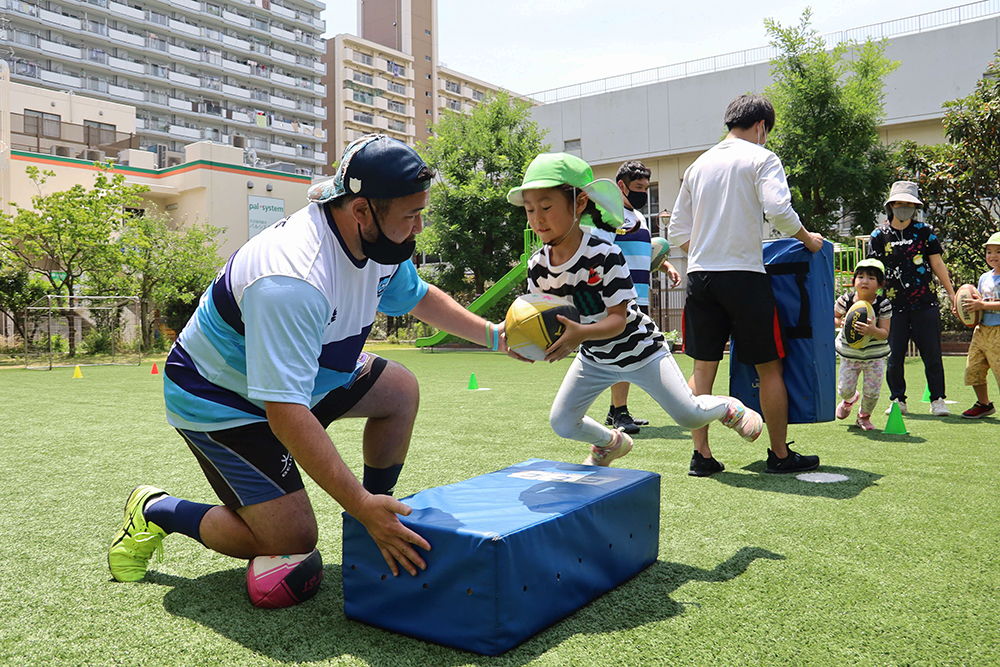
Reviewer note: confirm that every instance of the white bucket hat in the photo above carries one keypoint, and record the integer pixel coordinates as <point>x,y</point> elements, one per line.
<point>905,191</point>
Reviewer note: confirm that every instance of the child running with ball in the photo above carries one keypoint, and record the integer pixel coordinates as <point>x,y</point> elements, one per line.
<point>617,341</point>
<point>869,276</point>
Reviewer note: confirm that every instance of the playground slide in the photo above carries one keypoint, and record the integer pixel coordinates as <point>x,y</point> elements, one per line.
<point>487,299</point>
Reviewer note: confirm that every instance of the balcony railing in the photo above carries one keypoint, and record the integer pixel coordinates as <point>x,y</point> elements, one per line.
<point>34,135</point>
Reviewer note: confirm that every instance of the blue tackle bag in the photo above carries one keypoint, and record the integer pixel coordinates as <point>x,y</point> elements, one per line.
<point>802,283</point>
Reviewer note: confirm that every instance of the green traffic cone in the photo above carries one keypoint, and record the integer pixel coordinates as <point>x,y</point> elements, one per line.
<point>473,385</point>
<point>894,425</point>
<point>927,394</point>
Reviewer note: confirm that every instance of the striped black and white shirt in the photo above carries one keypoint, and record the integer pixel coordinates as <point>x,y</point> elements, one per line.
<point>597,278</point>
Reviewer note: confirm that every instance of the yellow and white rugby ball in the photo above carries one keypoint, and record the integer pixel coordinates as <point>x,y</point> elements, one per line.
<point>861,311</point>
<point>531,325</point>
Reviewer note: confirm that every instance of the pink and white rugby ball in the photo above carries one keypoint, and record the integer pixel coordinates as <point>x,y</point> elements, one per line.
<point>274,582</point>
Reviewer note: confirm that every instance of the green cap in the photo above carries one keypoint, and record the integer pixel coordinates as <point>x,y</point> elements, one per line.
<point>870,262</point>
<point>551,170</point>
<point>994,239</point>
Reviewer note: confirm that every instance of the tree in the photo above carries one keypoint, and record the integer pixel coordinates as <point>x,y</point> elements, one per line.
<point>828,112</point>
<point>479,157</point>
<point>65,235</point>
<point>960,181</point>
<point>18,290</point>
<point>160,264</point>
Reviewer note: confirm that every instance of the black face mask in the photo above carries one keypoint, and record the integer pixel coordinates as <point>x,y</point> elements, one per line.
<point>637,199</point>
<point>383,250</point>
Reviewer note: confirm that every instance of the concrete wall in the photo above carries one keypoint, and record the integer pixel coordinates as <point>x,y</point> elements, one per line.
<point>668,124</point>
<point>72,108</point>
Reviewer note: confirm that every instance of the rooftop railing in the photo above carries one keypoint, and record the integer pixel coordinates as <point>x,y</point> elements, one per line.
<point>973,11</point>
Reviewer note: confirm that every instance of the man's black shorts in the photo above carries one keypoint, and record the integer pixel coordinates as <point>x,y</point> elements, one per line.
<point>740,304</point>
<point>247,465</point>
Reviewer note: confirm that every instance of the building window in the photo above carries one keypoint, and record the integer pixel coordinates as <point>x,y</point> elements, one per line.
<point>364,78</point>
<point>453,87</point>
<point>426,31</point>
<point>260,24</point>
<point>396,107</point>
<point>571,145</point>
<point>397,88</point>
<point>427,76</point>
<point>41,124</point>
<point>394,68</point>
<point>364,98</point>
<point>427,93</point>
<point>397,125</point>
<point>364,118</point>
<point>427,58</point>
<point>98,134</point>
<point>454,105</point>
<point>364,59</point>
<point>477,96</point>
<point>158,70</point>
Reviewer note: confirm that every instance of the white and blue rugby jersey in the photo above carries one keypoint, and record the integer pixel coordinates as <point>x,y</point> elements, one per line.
<point>596,278</point>
<point>989,288</point>
<point>284,321</point>
<point>636,243</point>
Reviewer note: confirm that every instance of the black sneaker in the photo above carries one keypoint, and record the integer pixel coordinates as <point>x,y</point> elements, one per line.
<point>640,422</point>
<point>794,462</point>
<point>623,421</point>
<point>702,467</point>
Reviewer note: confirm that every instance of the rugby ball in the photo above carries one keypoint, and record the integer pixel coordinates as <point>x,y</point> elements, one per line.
<point>970,318</point>
<point>861,311</point>
<point>531,325</point>
<point>661,248</point>
<point>274,582</point>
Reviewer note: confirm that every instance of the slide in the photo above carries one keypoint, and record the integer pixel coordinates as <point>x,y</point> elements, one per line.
<point>487,299</point>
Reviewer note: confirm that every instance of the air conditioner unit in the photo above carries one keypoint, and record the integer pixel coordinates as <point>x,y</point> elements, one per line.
<point>93,156</point>
<point>239,141</point>
<point>173,161</point>
<point>61,151</point>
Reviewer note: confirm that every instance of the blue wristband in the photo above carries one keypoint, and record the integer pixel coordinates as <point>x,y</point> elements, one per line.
<point>496,337</point>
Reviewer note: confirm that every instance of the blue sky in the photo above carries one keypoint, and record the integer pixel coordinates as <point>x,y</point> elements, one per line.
<point>529,46</point>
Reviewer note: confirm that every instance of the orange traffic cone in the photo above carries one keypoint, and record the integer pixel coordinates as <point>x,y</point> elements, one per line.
<point>155,370</point>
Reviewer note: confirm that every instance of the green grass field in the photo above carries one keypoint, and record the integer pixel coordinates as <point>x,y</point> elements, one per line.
<point>898,566</point>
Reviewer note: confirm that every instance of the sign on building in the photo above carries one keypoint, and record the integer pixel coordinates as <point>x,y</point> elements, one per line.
<point>263,212</point>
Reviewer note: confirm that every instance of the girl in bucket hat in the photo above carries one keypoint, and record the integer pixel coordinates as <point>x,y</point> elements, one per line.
<point>617,341</point>
<point>911,253</point>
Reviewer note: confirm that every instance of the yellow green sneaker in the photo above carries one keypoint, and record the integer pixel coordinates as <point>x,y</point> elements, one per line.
<point>137,539</point>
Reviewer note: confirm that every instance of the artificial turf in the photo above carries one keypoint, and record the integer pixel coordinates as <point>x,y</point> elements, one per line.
<point>896,566</point>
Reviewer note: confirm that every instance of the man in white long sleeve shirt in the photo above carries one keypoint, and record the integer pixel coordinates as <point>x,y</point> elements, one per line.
<point>718,220</point>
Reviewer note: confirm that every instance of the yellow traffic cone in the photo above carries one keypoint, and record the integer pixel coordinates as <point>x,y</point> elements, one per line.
<point>77,373</point>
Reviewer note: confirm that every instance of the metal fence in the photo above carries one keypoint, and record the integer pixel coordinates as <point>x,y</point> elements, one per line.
<point>762,54</point>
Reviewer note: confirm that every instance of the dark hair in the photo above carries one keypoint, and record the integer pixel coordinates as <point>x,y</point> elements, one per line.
<point>872,271</point>
<point>382,206</point>
<point>633,170</point>
<point>747,110</point>
<point>591,209</point>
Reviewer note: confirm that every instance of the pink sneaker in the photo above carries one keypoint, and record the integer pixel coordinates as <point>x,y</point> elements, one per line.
<point>748,423</point>
<point>619,446</point>
<point>864,422</point>
<point>844,408</point>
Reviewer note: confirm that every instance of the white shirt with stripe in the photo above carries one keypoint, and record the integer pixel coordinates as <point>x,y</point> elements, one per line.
<point>597,278</point>
<point>284,321</point>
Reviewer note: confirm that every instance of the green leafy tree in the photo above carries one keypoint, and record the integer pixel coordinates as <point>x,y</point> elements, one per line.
<point>161,264</point>
<point>65,235</point>
<point>479,157</point>
<point>828,111</point>
<point>960,181</point>
<point>18,290</point>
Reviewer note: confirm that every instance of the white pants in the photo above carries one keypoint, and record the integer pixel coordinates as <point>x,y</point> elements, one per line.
<point>661,378</point>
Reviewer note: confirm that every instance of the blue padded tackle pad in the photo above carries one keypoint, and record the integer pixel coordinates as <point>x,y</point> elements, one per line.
<point>513,552</point>
<point>802,283</point>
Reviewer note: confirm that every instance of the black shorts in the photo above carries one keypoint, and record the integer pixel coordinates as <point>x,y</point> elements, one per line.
<point>247,465</point>
<point>740,304</point>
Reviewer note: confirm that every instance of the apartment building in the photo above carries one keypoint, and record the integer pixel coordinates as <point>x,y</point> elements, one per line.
<point>388,78</point>
<point>245,74</point>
